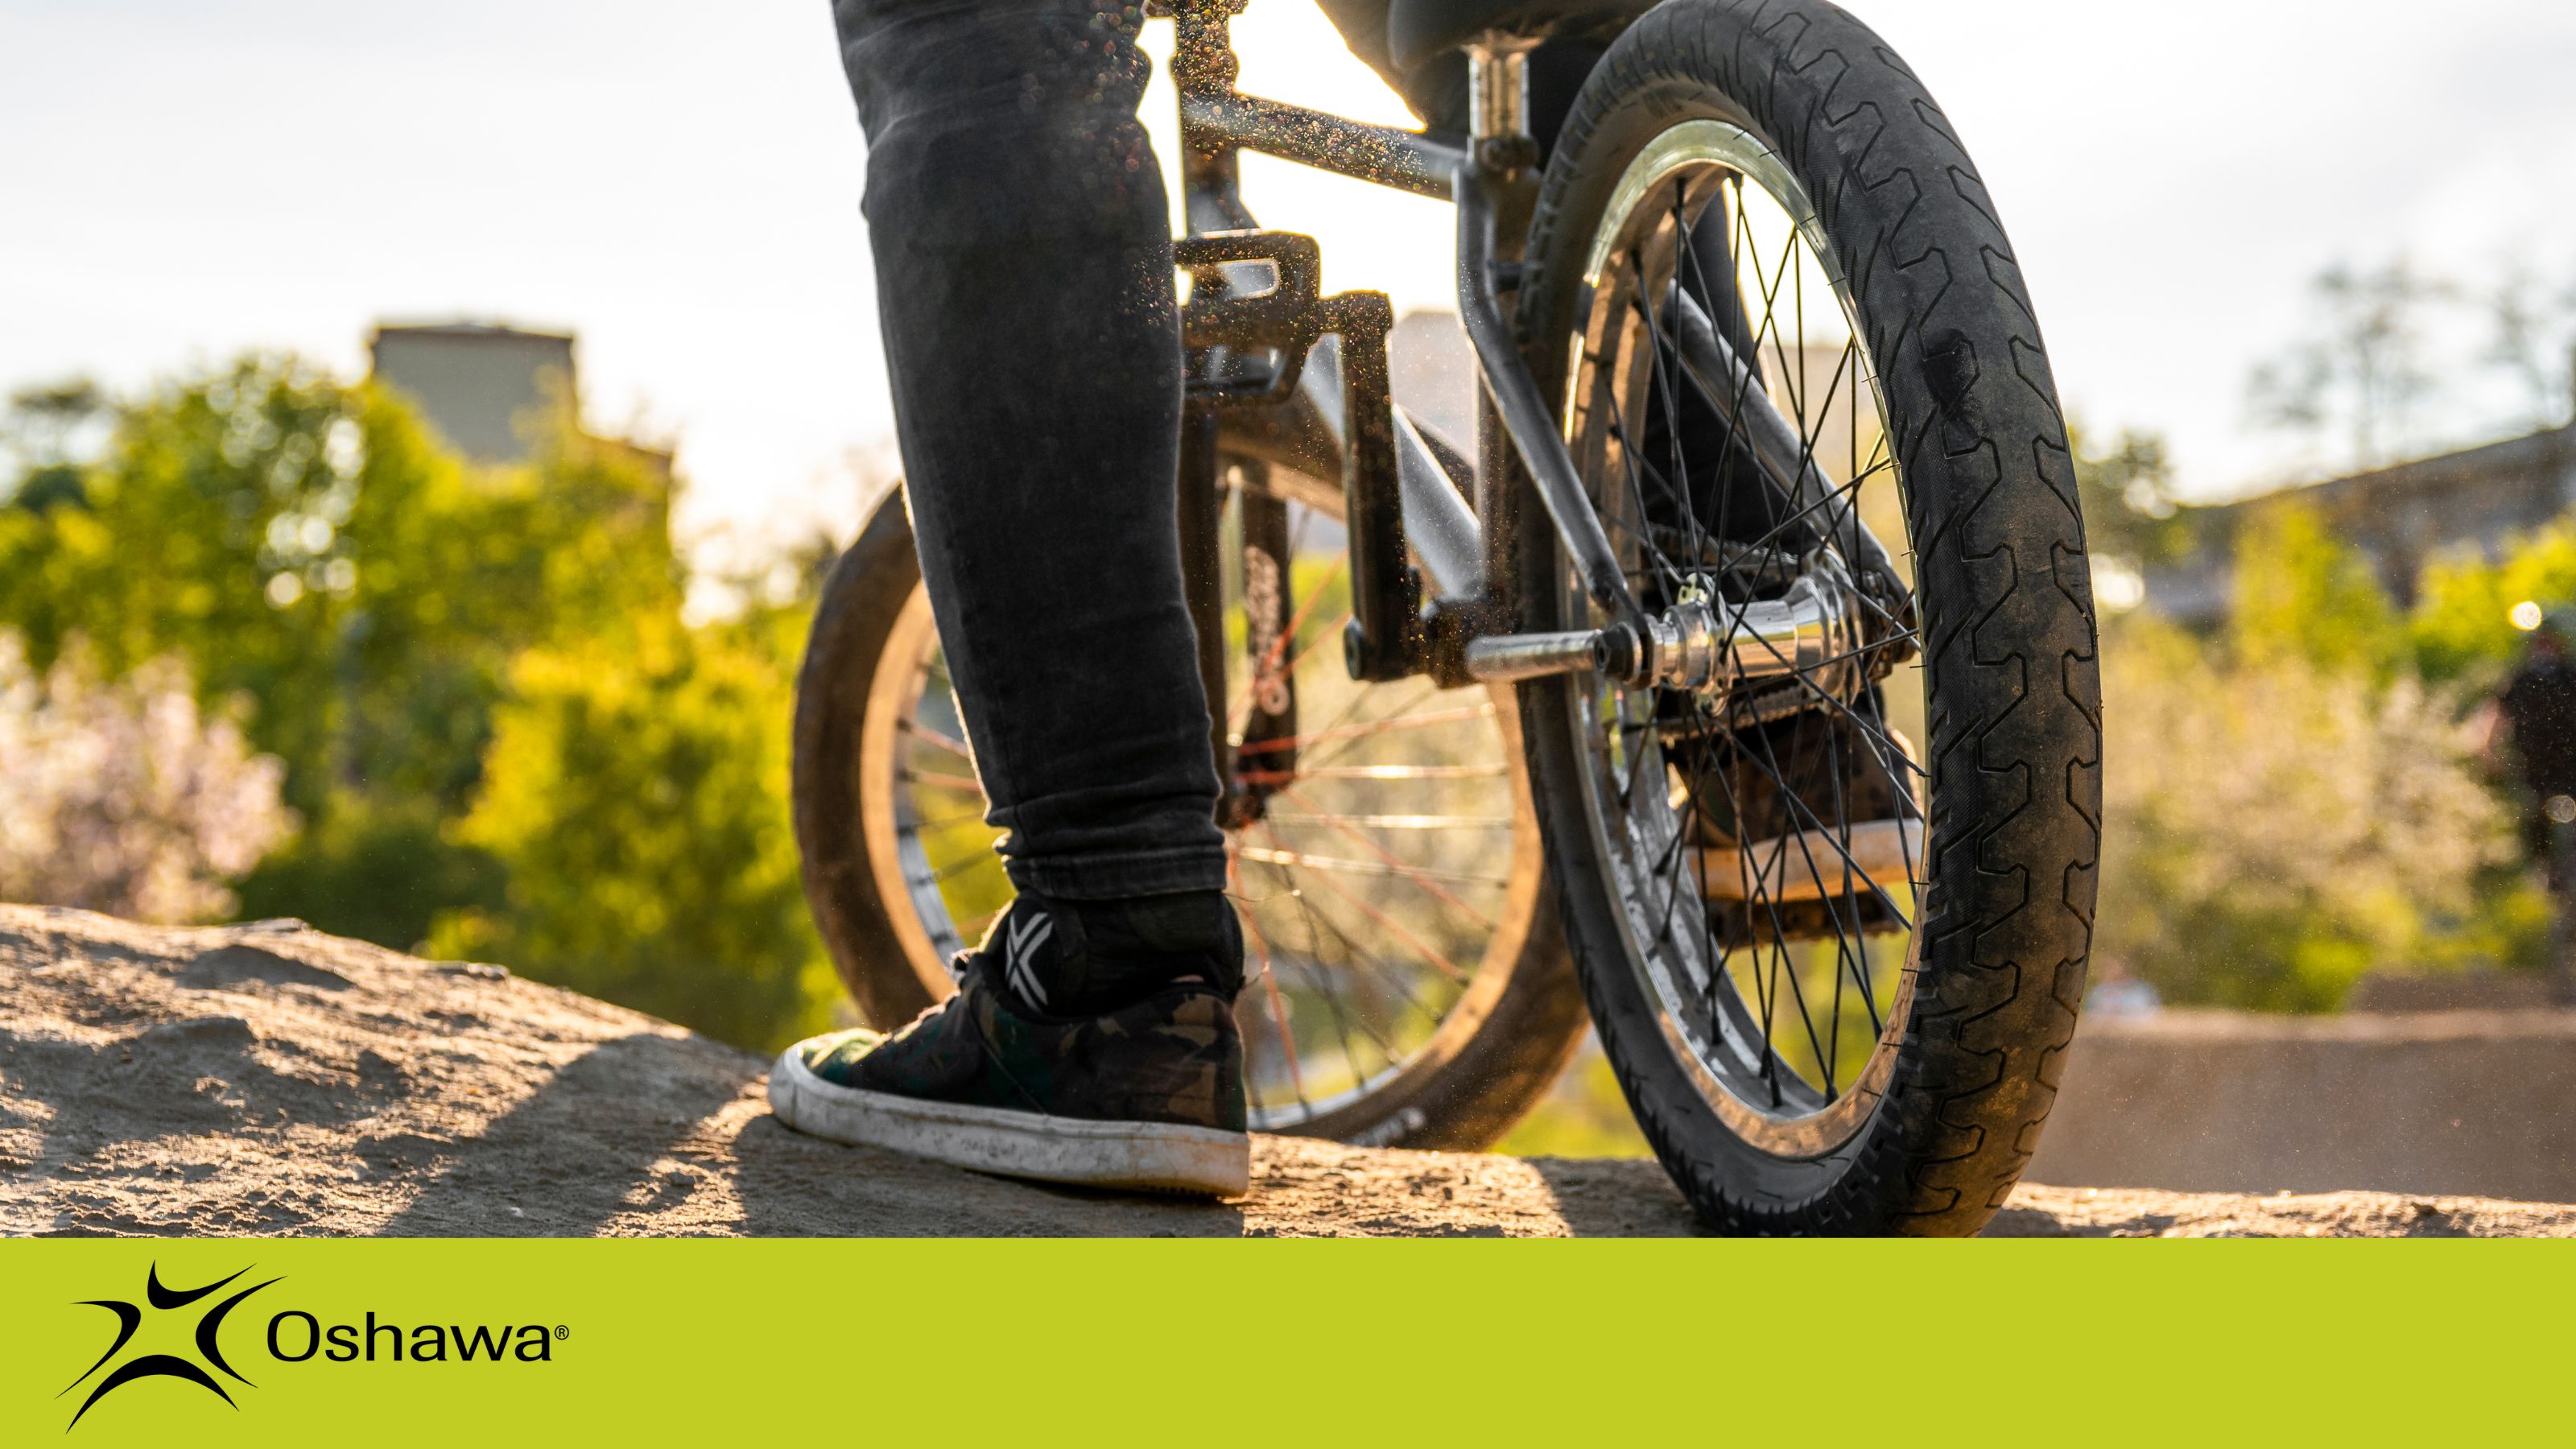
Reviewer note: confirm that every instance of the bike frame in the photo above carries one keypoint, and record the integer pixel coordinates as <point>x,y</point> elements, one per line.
<point>1249,341</point>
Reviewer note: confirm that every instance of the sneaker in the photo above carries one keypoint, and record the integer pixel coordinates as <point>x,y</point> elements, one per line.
<point>1088,1042</point>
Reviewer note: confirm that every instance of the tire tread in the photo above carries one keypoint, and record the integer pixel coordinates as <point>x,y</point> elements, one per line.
<point>2008,632</point>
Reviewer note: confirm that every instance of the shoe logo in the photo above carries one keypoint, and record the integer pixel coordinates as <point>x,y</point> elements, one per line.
<point>129,1317</point>
<point>1025,935</point>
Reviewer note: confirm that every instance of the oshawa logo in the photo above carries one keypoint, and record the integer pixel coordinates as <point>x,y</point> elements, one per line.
<point>294,1336</point>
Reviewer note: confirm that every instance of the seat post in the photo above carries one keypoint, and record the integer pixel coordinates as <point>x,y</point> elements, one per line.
<point>1498,100</point>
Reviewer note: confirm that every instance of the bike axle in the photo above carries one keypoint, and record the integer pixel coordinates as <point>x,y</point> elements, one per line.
<point>1701,643</point>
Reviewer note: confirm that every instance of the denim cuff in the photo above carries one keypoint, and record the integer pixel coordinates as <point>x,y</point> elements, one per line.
<point>1118,876</point>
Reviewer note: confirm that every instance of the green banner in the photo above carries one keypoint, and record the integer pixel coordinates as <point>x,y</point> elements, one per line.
<point>304,1342</point>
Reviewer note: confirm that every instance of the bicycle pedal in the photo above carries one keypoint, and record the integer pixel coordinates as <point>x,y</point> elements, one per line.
<point>1219,314</point>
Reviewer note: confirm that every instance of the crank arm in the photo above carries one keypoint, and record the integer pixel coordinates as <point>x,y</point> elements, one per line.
<point>1439,525</point>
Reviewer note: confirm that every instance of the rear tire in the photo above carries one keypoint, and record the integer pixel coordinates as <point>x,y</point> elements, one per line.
<point>1497,1050</point>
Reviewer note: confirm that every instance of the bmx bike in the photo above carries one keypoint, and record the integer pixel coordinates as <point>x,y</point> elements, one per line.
<point>1736,681</point>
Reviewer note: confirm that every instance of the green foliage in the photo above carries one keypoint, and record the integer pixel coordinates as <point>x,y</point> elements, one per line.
<point>448,659</point>
<point>2298,800</point>
<point>303,543</point>
<point>2277,824</point>
<point>2302,596</point>
<point>377,868</point>
<point>2462,629</point>
<point>637,799</point>
<point>2130,511</point>
<point>163,552</point>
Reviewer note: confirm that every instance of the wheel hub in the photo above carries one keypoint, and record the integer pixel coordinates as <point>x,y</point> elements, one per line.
<point>1812,632</point>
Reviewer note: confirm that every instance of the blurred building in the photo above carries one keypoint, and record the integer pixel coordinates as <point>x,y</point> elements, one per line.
<point>490,392</point>
<point>2399,518</point>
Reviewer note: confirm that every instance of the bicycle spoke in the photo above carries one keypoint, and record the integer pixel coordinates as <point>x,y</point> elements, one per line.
<point>1357,956</point>
<point>1373,727</point>
<point>1365,867</point>
<point>1422,948</point>
<point>1394,822</point>
<point>1278,1008</point>
<point>942,822</point>
<point>1343,1020</point>
<point>1380,772</point>
<point>1341,717</point>
<point>965,863</point>
<point>934,738</point>
<point>1426,880</point>
<point>1757,821</point>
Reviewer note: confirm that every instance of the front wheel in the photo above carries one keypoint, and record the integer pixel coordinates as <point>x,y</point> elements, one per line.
<point>1832,920</point>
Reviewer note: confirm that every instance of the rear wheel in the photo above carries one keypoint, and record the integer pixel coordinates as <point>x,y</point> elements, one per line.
<point>1408,984</point>
<point>1832,919</point>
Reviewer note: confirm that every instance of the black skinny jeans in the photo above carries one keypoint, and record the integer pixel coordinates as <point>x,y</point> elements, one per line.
<point>1025,293</point>
<point>1024,288</point>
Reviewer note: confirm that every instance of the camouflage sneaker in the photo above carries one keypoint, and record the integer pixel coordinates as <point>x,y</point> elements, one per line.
<point>1089,1043</point>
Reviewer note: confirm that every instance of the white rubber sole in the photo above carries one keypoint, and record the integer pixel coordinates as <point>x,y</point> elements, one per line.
<point>1137,1156</point>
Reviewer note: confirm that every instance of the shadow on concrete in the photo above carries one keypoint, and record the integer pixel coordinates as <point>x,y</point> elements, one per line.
<point>1616,1197</point>
<point>576,1153</point>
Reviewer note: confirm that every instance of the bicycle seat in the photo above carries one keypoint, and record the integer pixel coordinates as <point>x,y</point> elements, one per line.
<point>1420,30</point>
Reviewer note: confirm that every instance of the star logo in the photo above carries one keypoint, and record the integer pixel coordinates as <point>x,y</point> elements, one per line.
<point>163,1365</point>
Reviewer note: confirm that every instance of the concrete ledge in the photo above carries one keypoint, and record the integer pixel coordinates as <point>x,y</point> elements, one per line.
<point>268,1079</point>
<point>2469,1102</point>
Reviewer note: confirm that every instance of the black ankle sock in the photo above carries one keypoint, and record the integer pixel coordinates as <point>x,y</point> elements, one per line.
<point>1062,958</point>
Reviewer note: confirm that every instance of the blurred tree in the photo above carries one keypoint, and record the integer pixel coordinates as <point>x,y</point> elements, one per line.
<point>423,642</point>
<point>2130,509</point>
<point>2296,800</point>
<point>2274,830</point>
<point>41,437</point>
<point>637,798</point>
<point>2531,327</point>
<point>303,543</point>
<point>2462,628</point>
<point>2301,594</point>
<point>2365,368</point>
<point>122,796</point>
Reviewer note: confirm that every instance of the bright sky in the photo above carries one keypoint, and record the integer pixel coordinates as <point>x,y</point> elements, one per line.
<point>679,184</point>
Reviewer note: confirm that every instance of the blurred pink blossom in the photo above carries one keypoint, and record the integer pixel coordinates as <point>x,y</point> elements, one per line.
<point>120,796</point>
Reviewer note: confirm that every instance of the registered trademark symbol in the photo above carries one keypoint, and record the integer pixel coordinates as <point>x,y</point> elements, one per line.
<point>562,1332</point>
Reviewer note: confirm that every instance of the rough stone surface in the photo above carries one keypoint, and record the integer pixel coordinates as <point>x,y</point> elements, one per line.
<point>270,1079</point>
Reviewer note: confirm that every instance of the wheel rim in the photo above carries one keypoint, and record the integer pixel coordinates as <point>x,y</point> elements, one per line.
<point>1766,845</point>
<point>1386,891</point>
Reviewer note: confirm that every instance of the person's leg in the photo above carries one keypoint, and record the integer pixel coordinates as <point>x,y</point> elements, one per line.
<point>1024,286</point>
<point>1024,282</point>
